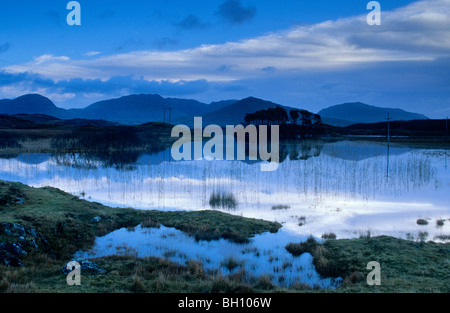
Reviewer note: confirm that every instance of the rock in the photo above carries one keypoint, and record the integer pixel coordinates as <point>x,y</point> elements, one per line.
<point>13,248</point>
<point>10,254</point>
<point>21,232</point>
<point>19,200</point>
<point>21,239</point>
<point>9,259</point>
<point>96,219</point>
<point>87,267</point>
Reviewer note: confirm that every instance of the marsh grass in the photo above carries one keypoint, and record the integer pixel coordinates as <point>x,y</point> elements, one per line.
<point>280,207</point>
<point>329,236</point>
<point>223,200</point>
<point>70,224</point>
<point>418,268</point>
<point>301,221</point>
<point>422,221</point>
<point>231,263</point>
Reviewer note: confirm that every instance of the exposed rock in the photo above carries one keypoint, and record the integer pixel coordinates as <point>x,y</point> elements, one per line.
<point>13,248</point>
<point>10,254</point>
<point>22,233</point>
<point>96,219</point>
<point>9,259</point>
<point>19,200</point>
<point>22,238</point>
<point>87,267</point>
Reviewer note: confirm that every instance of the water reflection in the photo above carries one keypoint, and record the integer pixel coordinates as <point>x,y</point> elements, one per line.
<point>264,255</point>
<point>345,187</point>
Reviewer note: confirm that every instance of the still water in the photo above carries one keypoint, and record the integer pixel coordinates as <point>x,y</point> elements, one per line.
<point>348,188</point>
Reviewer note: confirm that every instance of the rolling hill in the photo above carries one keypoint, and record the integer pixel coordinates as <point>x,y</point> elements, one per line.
<point>144,108</point>
<point>233,113</point>
<point>139,109</point>
<point>356,112</point>
<point>32,104</point>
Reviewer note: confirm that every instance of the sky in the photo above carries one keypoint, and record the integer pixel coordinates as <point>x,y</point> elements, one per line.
<point>305,54</point>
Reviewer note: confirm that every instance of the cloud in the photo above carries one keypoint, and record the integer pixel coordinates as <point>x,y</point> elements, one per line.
<point>92,53</point>
<point>21,83</point>
<point>4,47</point>
<point>412,33</point>
<point>410,48</point>
<point>191,22</point>
<point>233,12</point>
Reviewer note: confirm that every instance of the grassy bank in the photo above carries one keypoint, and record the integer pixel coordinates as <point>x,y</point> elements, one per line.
<point>406,266</point>
<point>43,227</point>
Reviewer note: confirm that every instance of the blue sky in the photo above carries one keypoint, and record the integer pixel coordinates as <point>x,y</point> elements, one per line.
<point>307,54</point>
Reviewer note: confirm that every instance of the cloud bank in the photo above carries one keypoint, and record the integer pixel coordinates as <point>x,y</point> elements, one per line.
<point>417,35</point>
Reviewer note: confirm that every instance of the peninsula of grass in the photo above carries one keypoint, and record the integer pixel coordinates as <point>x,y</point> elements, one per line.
<point>69,223</point>
<point>44,227</point>
<point>406,266</point>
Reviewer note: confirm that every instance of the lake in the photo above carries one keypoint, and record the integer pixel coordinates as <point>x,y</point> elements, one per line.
<point>349,188</point>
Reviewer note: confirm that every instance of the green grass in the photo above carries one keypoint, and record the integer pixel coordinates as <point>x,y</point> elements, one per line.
<point>68,224</point>
<point>406,266</point>
<point>67,220</point>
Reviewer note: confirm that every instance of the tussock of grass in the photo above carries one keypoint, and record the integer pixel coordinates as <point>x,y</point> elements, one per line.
<point>422,221</point>
<point>223,200</point>
<point>328,236</point>
<point>280,207</point>
<point>231,263</point>
<point>297,249</point>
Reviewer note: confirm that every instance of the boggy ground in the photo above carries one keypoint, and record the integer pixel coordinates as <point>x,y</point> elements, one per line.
<point>41,229</point>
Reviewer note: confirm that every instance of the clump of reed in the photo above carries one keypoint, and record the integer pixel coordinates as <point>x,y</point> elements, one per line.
<point>422,221</point>
<point>280,207</point>
<point>223,200</point>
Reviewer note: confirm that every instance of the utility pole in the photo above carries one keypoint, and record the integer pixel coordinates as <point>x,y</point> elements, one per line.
<point>170,114</point>
<point>446,128</point>
<point>388,130</point>
<point>388,140</point>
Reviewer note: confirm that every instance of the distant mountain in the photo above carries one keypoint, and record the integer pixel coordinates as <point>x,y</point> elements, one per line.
<point>135,109</point>
<point>234,113</point>
<point>32,104</point>
<point>43,119</point>
<point>139,109</point>
<point>143,108</point>
<point>357,112</point>
<point>214,106</point>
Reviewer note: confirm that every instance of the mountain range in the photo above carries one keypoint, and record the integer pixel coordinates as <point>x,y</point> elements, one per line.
<point>143,108</point>
<point>356,112</point>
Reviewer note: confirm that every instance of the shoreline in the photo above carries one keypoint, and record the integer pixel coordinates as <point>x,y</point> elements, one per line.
<point>59,231</point>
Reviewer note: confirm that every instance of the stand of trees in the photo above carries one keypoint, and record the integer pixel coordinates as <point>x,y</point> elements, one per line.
<point>279,116</point>
<point>295,125</point>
